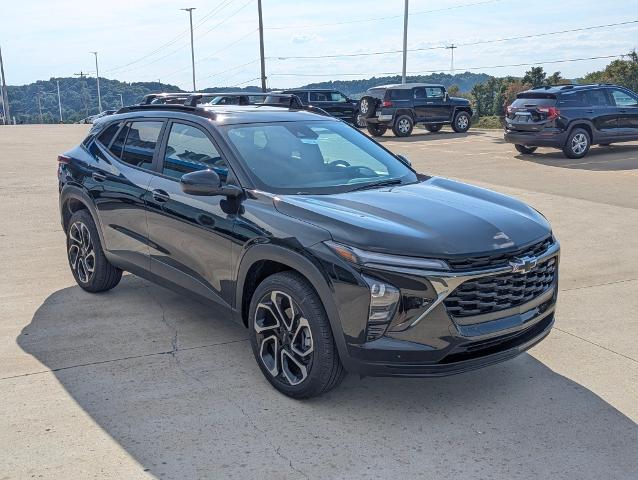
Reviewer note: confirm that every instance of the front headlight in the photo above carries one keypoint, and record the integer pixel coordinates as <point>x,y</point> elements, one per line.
<point>384,300</point>
<point>373,259</point>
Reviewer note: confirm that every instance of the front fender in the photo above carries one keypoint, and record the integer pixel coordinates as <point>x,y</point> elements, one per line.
<point>307,266</point>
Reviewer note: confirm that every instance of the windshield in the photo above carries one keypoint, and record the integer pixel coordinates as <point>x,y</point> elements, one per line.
<point>314,157</point>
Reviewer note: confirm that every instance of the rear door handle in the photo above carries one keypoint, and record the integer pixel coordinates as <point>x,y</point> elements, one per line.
<point>623,111</point>
<point>98,177</point>
<point>161,195</point>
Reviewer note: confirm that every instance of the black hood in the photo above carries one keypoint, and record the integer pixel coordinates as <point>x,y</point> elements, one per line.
<point>459,101</point>
<point>435,218</point>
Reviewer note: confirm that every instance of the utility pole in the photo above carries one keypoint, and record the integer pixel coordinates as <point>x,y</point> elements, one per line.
<point>40,108</point>
<point>190,15</point>
<point>405,41</point>
<point>82,76</point>
<point>5,96</point>
<point>59,101</point>
<point>261,48</point>
<point>122,100</point>
<point>97,76</point>
<point>451,49</point>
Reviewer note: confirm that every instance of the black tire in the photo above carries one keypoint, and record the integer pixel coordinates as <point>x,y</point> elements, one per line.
<point>84,253</point>
<point>376,129</point>
<point>577,144</point>
<point>434,128</point>
<point>323,368</point>
<point>368,106</point>
<point>461,122</point>
<point>403,126</point>
<point>525,150</point>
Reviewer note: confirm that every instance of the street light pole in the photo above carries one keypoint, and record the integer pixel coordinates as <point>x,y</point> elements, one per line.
<point>261,48</point>
<point>405,41</point>
<point>190,15</point>
<point>97,75</point>
<point>5,96</point>
<point>59,101</point>
<point>40,108</point>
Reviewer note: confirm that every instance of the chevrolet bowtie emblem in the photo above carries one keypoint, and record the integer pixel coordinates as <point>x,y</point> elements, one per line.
<point>523,265</point>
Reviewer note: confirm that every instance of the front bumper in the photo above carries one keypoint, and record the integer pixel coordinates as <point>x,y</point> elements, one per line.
<point>435,343</point>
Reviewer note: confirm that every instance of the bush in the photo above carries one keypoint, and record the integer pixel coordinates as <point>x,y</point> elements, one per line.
<point>491,121</point>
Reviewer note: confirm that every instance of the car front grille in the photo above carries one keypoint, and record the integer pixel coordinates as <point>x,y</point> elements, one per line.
<point>500,259</point>
<point>499,292</point>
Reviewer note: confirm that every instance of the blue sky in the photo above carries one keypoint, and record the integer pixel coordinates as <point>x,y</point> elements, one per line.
<point>43,39</point>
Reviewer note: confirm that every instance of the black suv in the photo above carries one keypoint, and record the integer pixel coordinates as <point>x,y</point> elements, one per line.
<point>332,101</point>
<point>402,106</point>
<point>332,251</point>
<point>572,118</point>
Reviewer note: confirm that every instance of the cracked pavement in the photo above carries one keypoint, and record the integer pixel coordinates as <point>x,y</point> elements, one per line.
<point>140,382</point>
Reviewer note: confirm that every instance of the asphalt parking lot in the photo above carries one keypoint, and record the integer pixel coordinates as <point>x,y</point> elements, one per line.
<point>140,382</point>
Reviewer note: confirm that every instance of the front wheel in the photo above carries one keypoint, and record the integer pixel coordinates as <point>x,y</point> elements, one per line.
<point>291,337</point>
<point>359,120</point>
<point>376,130</point>
<point>461,123</point>
<point>89,266</point>
<point>525,150</point>
<point>577,144</point>
<point>403,126</point>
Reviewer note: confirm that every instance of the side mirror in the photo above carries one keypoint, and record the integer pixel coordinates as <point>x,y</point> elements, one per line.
<point>206,183</point>
<point>404,160</point>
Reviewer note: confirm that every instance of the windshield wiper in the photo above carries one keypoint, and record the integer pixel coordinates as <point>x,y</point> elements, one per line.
<point>380,183</point>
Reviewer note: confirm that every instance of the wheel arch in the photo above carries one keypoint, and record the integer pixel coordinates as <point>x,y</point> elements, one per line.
<point>74,198</point>
<point>585,125</point>
<point>262,260</point>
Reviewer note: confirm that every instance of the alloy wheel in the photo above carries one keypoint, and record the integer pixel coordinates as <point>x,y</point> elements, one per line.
<point>284,338</point>
<point>81,252</point>
<point>364,107</point>
<point>404,125</point>
<point>579,143</point>
<point>462,122</point>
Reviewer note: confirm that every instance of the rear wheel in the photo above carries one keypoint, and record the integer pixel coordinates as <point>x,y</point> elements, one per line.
<point>525,150</point>
<point>433,128</point>
<point>403,126</point>
<point>376,129</point>
<point>90,268</point>
<point>291,337</point>
<point>461,123</point>
<point>577,144</point>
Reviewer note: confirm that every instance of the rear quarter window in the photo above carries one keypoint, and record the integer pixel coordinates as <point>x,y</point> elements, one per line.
<point>401,94</point>
<point>107,135</point>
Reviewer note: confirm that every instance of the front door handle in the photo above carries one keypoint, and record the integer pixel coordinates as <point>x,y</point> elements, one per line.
<point>161,196</point>
<point>98,177</point>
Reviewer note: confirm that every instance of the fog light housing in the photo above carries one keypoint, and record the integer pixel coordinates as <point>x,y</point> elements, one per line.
<point>384,300</point>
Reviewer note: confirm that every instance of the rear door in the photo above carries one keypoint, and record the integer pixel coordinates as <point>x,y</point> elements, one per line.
<point>600,109</point>
<point>420,104</point>
<point>626,106</point>
<point>335,103</point>
<point>190,236</point>
<point>119,187</point>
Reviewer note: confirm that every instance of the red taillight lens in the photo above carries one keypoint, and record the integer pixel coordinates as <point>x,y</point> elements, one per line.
<point>552,112</point>
<point>64,160</point>
<point>386,103</point>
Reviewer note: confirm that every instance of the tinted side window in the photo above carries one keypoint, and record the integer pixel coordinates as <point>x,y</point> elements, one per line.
<point>623,99</point>
<point>319,97</point>
<point>419,93</point>
<point>303,96</point>
<point>107,135</point>
<point>401,94</point>
<point>118,143</point>
<point>140,143</point>
<point>573,99</point>
<point>188,149</point>
<point>597,98</point>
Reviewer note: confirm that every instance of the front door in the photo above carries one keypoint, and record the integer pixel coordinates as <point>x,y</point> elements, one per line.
<point>119,187</point>
<point>190,236</point>
<point>438,107</point>
<point>627,110</point>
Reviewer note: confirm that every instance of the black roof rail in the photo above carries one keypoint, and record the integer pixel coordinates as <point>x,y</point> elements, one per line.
<point>157,106</point>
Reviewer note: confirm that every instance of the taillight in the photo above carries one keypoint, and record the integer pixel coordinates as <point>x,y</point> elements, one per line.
<point>386,103</point>
<point>552,112</point>
<point>64,160</point>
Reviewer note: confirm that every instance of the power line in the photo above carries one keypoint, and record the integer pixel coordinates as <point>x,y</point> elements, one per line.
<point>467,44</point>
<point>359,74</point>
<point>376,19</point>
